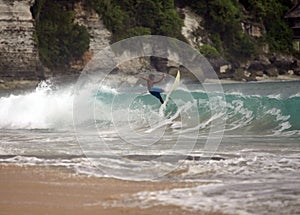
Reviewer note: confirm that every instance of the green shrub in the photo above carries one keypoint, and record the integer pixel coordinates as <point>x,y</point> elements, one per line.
<point>60,41</point>
<point>209,51</point>
<point>243,47</point>
<point>223,20</point>
<point>271,13</point>
<point>138,31</point>
<point>157,17</point>
<point>132,32</point>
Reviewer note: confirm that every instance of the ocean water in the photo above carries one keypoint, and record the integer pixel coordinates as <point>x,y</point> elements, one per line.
<point>242,144</point>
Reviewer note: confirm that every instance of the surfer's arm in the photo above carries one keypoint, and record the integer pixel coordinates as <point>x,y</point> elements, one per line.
<point>147,79</point>
<point>164,75</point>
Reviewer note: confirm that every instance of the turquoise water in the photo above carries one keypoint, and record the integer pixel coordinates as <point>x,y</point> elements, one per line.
<point>265,108</point>
<point>126,134</point>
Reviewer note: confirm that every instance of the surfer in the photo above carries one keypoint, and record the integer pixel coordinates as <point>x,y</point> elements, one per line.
<point>155,91</point>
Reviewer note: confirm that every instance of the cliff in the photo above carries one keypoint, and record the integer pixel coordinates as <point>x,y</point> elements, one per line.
<point>243,45</point>
<point>264,64</point>
<point>99,35</point>
<point>18,48</point>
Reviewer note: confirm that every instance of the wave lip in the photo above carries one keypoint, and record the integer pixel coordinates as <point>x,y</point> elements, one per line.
<point>51,108</point>
<point>41,109</point>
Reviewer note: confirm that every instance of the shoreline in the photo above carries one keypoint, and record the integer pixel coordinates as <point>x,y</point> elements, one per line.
<point>19,86</point>
<point>41,190</point>
<point>265,79</point>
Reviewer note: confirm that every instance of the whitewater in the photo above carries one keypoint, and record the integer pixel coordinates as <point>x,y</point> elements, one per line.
<point>255,169</point>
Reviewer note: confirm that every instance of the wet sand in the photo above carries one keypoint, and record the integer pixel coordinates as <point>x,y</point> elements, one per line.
<point>45,190</point>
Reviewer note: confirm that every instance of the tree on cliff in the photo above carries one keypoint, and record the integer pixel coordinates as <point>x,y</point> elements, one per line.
<point>223,20</point>
<point>138,17</point>
<point>60,41</point>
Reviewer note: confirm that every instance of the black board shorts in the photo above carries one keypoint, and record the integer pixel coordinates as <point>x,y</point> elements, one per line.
<point>155,91</point>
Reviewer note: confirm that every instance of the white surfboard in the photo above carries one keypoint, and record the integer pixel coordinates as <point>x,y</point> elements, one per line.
<point>166,122</point>
<point>176,83</point>
<point>174,86</point>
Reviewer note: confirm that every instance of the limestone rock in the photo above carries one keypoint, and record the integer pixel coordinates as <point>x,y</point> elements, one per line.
<point>134,66</point>
<point>253,29</point>
<point>18,49</point>
<point>192,28</point>
<point>258,73</point>
<point>99,35</point>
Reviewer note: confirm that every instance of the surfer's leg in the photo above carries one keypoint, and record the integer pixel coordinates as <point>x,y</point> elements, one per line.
<point>161,99</point>
<point>157,95</point>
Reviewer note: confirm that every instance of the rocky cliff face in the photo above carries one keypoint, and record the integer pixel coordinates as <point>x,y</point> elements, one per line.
<point>99,35</point>
<point>18,49</point>
<point>192,27</point>
<point>19,58</point>
<point>262,66</point>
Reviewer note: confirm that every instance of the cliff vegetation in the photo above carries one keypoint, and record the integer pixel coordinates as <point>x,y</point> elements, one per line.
<point>223,20</point>
<point>226,22</point>
<point>129,18</point>
<point>59,39</point>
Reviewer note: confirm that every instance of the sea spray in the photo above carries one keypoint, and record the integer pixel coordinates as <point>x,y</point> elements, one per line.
<point>44,108</point>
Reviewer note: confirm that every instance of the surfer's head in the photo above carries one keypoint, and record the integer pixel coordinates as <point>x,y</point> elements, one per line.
<point>151,77</point>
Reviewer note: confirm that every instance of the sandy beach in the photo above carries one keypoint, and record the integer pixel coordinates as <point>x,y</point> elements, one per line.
<point>34,190</point>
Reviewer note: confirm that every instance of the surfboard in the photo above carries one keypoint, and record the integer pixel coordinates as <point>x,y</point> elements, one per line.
<point>162,108</point>
<point>173,87</point>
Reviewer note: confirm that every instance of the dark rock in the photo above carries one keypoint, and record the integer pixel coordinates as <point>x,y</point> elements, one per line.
<point>295,64</point>
<point>259,73</point>
<point>297,71</point>
<point>160,64</point>
<point>272,59</point>
<point>272,72</point>
<point>243,75</point>
<point>217,63</point>
<point>258,66</point>
<point>252,77</point>
<point>283,66</point>
<point>226,75</point>
<point>282,71</point>
<point>239,75</point>
<point>284,63</point>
